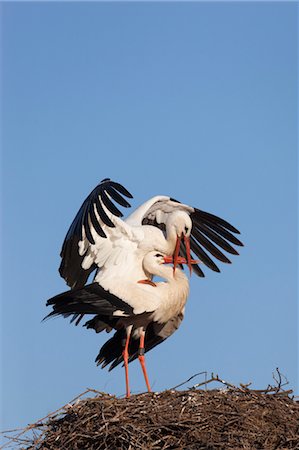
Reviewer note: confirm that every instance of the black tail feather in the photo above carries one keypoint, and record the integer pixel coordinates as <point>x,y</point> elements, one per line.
<point>111,351</point>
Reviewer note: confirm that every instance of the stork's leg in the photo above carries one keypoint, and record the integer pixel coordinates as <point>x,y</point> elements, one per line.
<point>142,359</point>
<point>126,357</point>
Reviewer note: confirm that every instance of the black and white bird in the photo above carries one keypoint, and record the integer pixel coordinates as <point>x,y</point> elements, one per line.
<point>144,316</point>
<point>99,240</point>
<point>125,256</point>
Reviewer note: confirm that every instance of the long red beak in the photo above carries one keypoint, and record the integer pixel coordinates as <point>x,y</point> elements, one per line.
<point>176,252</point>
<point>180,260</point>
<point>187,244</point>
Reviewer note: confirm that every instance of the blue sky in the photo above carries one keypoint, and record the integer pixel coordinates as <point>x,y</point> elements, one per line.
<point>193,100</point>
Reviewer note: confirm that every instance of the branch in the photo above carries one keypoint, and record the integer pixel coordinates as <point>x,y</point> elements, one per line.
<point>189,379</point>
<point>39,423</point>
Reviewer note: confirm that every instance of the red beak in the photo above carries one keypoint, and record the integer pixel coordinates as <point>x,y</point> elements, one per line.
<point>169,260</point>
<point>187,244</point>
<point>176,252</point>
<point>180,260</point>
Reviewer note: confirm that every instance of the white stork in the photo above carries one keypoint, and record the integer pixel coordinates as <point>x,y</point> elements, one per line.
<point>98,239</point>
<point>147,313</point>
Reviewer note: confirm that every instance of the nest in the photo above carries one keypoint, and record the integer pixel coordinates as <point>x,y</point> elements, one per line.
<point>233,418</point>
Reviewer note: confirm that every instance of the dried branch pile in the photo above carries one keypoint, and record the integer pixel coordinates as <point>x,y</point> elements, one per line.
<point>234,418</point>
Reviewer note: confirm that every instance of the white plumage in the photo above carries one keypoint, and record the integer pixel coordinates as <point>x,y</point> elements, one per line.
<point>125,255</point>
<point>159,305</point>
<point>100,240</point>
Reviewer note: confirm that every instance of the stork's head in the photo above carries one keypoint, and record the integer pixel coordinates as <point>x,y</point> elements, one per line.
<point>182,224</point>
<point>154,259</point>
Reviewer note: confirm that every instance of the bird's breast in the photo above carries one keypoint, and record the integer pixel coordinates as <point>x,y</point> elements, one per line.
<point>171,302</point>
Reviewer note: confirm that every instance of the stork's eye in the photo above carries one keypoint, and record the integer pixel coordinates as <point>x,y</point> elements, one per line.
<point>186,230</point>
<point>158,255</point>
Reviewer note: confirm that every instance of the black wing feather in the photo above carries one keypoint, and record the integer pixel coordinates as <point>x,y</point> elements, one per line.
<point>207,230</point>
<point>195,267</point>
<point>111,351</point>
<point>87,229</point>
<point>204,216</point>
<point>224,233</point>
<point>154,223</point>
<point>202,255</point>
<point>121,189</point>
<point>91,299</point>
<point>118,198</point>
<point>210,247</point>
<point>102,214</point>
<point>71,264</point>
<point>109,205</point>
<point>216,238</point>
<point>95,223</point>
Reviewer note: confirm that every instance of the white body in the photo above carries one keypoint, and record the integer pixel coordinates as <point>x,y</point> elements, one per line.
<point>119,257</point>
<point>160,303</point>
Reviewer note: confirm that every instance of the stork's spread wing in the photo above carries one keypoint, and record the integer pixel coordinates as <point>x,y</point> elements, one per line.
<point>97,223</point>
<point>93,222</point>
<point>156,210</point>
<point>209,233</point>
<point>91,299</point>
<point>208,230</point>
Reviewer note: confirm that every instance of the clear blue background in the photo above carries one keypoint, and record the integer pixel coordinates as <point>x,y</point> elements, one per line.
<point>196,101</point>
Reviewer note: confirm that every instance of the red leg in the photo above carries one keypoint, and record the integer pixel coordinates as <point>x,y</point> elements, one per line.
<point>126,357</point>
<point>142,360</point>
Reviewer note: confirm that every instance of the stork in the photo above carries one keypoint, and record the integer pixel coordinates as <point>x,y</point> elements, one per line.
<point>99,240</point>
<point>145,312</point>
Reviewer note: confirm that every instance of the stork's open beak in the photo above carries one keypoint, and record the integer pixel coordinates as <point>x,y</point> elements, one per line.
<point>180,260</point>
<point>177,251</point>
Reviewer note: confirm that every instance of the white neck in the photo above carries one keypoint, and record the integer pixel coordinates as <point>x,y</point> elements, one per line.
<point>174,293</point>
<point>169,275</point>
<point>171,237</point>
